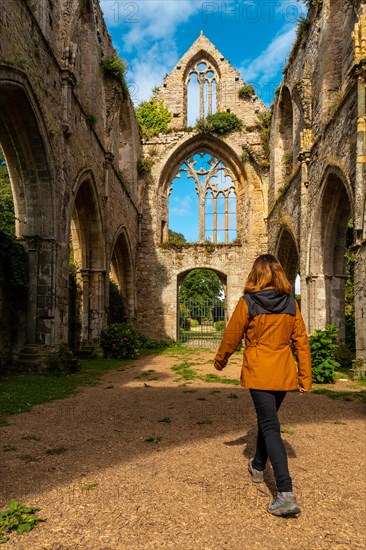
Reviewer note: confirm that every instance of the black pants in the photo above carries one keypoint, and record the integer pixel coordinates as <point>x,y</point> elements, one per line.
<point>269,441</point>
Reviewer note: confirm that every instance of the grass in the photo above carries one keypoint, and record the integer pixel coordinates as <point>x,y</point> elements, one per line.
<point>343,395</point>
<point>31,437</point>
<point>153,439</point>
<point>28,458</point>
<point>187,373</point>
<point>56,451</point>
<point>287,431</point>
<point>20,392</point>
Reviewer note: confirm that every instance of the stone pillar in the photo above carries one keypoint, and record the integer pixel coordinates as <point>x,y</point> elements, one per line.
<point>359,36</point>
<point>306,285</point>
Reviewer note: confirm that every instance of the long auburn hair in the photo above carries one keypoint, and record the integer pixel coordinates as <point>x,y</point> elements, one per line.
<point>266,272</point>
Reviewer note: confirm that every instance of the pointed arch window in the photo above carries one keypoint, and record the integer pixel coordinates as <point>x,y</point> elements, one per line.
<point>201,92</point>
<point>214,185</point>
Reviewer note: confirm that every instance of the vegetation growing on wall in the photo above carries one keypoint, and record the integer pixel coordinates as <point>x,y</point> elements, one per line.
<point>12,252</point>
<point>246,91</point>
<point>153,118</point>
<point>114,67</point>
<point>219,123</point>
<point>264,125</point>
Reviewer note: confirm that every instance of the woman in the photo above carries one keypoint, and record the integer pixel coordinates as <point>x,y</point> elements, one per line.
<point>270,319</point>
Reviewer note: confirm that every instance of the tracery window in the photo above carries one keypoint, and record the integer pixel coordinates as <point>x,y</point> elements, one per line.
<point>201,92</point>
<point>214,186</point>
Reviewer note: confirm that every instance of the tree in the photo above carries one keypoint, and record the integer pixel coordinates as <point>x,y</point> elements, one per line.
<point>176,238</point>
<point>200,291</point>
<point>153,118</point>
<point>7,217</point>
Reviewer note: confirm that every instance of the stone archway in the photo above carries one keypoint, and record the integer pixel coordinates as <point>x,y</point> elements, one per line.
<point>29,160</point>
<point>288,255</point>
<point>201,316</point>
<point>122,273</point>
<point>87,239</point>
<point>327,273</point>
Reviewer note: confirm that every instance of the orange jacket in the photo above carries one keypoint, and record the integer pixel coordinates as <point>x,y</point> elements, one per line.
<point>268,362</point>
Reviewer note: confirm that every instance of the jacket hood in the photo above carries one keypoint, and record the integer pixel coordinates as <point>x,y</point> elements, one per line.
<point>269,302</point>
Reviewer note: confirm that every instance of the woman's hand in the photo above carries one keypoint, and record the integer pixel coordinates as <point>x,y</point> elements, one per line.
<point>302,391</point>
<point>217,366</point>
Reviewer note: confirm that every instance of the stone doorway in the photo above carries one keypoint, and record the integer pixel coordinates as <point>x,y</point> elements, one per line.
<point>201,309</point>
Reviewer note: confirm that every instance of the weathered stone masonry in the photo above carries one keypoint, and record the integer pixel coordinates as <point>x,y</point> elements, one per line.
<point>317,180</point>
<point>64,128</point>
<point>71,142</point>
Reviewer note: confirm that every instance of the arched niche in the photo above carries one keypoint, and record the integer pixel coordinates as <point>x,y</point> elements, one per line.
<point>88,246</point>
<point>284,138</point>
<point>327,265</point>
<point>122,272</point>
<point>288,254</point>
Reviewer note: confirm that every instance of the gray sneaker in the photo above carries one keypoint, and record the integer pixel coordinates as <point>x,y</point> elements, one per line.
<point>257,475</point>
<point>285,505</point>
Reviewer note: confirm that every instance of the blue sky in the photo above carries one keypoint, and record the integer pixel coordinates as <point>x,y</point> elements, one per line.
<point>254,35</point>
<point>152,35</point>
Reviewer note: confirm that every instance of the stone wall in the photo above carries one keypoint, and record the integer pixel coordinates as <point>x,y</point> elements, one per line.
<point>161,268</point>
<point>65,127</point>
<point>317,176</point>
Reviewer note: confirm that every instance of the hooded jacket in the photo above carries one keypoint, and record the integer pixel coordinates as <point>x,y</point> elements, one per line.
<point>269,322</point>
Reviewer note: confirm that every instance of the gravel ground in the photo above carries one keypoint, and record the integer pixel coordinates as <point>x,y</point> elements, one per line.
<point>105,487</point>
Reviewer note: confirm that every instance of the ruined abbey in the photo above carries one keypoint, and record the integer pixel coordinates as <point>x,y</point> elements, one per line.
<point>291,181</point>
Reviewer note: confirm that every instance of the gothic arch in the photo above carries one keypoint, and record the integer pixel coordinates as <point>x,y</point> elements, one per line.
<point>288,254</point>
<point>326,258</point>
<point>122,270</point>
<point>202,143</point>
<point>284,137</point>
<point>87,237</point>
<point>24,139</point>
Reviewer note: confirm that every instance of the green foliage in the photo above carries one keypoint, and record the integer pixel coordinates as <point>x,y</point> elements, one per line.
<point>219,123</point>
<point>17,518</point>
<point>219,325</point>
<point>194,323</point>
<point>323,344</point>
<point>201,285</point>
<point>246,91</point>
<point>115,67</point>
<point>92,120</point>
<point>144,165</point>
<point>175,238</point>
<point>7,216</point>
<point>124,341</point>
<point>116,312</point>
<point>62,362</point>
<point>344,356</point>
<point>287,158</point>
<point>153,118</point>
<point>120,341</point>
<point>264,125</point>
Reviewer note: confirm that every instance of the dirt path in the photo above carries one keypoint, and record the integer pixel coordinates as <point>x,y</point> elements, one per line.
<point>109,488</point>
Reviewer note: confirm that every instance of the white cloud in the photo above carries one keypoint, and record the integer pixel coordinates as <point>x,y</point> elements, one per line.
<point>185,206</point>
<point>149,29</point>
<point>264,68</point>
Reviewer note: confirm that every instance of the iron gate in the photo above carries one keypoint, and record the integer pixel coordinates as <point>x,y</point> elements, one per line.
<point>201,322</point>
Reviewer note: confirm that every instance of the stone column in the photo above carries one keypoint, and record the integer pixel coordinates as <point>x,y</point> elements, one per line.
<point>306,285</point>
<point>359,36</point>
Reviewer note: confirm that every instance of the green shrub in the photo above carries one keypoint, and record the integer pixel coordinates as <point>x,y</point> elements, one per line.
<point>219,123</point>
<point>153,118</point>
<point>120,341</point>
<point>194,323</point>
<point>246,91</point>
<point>62,362</point>
<point>219,325</point>
<point>323,344</point>
<point>115,67</point>
<point>144,165</point>
<point>344,356</point>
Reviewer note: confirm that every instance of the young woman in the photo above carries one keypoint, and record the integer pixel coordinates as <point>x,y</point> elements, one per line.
<point>270,319</point>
